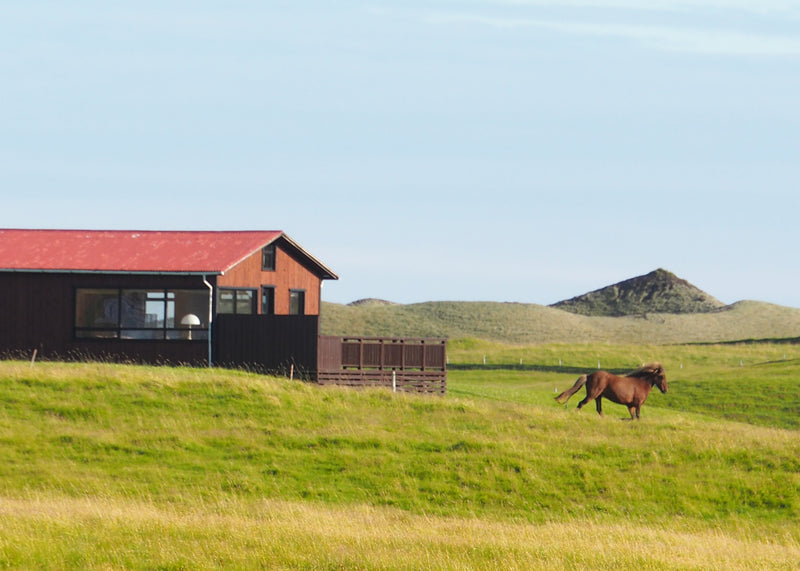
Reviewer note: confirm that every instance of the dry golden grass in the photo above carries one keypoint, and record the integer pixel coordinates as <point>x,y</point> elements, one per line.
<point>55,532</point>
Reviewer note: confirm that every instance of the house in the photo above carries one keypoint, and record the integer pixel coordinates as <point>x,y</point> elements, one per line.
<point>239,299</point>
<point>157,297</point>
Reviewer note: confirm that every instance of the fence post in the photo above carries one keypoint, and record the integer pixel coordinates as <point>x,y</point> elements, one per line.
<point>394,381</point>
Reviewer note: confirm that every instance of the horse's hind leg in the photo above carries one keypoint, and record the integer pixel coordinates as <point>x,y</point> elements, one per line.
<point>592,393</point>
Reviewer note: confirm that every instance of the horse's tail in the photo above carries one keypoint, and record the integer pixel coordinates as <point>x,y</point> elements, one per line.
<point>564,397</point>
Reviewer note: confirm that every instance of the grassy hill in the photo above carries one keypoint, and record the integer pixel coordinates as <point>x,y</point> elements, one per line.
<point>529,323</point>
<point>107,466</point>
<point>659,291</point>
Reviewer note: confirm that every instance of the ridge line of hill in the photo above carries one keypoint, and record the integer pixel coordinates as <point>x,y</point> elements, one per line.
<point>658,308</point>
<point>520,323</point>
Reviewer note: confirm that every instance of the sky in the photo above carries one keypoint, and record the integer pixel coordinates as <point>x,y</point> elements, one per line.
<point>472,150</point>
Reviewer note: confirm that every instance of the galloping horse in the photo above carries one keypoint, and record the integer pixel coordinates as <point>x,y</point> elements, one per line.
<point>630,390</point>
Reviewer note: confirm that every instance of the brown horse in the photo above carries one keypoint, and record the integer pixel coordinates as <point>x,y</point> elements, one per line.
<point>630,390</point>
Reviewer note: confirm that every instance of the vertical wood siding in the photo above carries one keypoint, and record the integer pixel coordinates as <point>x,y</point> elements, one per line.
<point>267,343</point>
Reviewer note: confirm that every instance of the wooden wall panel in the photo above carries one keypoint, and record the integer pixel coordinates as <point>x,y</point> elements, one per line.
<point>268,343</point>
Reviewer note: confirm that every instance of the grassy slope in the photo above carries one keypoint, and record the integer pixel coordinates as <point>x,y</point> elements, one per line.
<point>156,467</point>
<point>529,323</point>
<point>747,382</point>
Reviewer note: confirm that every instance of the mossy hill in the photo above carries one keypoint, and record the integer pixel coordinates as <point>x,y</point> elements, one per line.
<point>656,308</point>
<point>659,291</point>
<point>524,323</point>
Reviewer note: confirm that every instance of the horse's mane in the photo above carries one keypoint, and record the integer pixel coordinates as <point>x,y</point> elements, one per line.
<point>647,370</point>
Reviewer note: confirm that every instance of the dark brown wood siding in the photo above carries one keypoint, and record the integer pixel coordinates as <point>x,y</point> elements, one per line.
<point>267,343</point>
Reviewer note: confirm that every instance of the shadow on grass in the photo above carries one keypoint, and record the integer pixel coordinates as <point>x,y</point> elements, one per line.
<point>539,368</point>
<point>771,341</point>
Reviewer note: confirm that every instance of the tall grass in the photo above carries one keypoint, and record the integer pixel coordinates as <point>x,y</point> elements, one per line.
<point>678,359</point>
<point>102,533</point>
<point>142,467</point>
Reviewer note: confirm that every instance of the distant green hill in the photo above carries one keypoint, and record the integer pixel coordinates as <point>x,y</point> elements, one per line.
<point>659,291</point>
<point>519,323</point>
<point>658,308</point>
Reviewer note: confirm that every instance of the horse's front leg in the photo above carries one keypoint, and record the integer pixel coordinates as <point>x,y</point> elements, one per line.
<point>599,405</point>
<point>634,410</point>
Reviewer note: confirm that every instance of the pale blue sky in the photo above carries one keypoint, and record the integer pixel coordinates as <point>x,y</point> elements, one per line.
<point>473,150</point>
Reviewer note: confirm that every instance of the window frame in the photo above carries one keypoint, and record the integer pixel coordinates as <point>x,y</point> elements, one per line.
<point>298,307</point>
<point>269,254</point>
<point>236,291</point>
<point>267,304</point>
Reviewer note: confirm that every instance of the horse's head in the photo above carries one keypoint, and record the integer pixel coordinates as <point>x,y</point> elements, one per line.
<point>654,373</point>
<point>660,378</point>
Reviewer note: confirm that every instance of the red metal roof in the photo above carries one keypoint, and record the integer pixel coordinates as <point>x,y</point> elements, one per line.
<point>135,251</point>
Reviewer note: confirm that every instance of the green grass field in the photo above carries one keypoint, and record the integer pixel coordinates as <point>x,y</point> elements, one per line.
<point>105,466</point>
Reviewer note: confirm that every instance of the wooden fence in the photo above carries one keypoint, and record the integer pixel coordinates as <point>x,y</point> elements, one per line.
<point>403,364</point>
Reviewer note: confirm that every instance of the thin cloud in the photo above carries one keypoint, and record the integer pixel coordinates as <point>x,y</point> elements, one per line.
<point>678,39</point>
<point>763,7</point>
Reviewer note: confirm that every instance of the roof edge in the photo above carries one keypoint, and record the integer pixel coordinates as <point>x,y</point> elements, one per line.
<point>326,272</point>
<point>110,272</point>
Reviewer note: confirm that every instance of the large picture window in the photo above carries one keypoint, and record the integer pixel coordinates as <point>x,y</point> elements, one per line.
<point>141,314</point>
